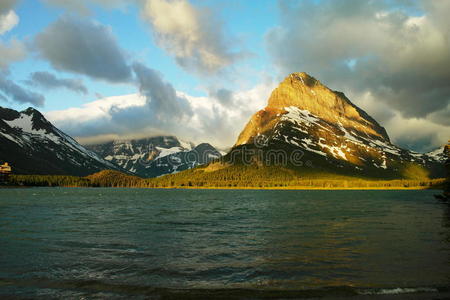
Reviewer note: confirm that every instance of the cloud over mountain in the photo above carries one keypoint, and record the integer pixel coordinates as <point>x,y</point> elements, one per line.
<point>84,47</point>
<point>137,115</point>
<point>371,47</point>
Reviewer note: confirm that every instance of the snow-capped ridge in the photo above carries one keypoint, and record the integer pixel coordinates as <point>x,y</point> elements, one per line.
<point>31,144</point>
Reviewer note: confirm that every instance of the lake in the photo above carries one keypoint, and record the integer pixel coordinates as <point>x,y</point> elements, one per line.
<point>227,244</point>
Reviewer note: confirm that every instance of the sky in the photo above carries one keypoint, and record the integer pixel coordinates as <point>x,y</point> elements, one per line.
<point>198,69</point>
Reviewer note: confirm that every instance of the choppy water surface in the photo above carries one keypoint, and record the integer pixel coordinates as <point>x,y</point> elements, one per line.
<point>62,242</point>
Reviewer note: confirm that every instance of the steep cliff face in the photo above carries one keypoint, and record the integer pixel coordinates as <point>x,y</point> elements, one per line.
<point>303,114</point>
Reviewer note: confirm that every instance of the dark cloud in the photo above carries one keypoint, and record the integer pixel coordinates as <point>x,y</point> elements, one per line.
<point>18,94</point>
<point>50,81</point>
<point>162,98</point>
<point>84,47</point>
<point>164,109</point>
<point>376,47</point>
<point>7,5</point>
<point>10,52</point>
<point>224,96</point>
<point>83,7</point>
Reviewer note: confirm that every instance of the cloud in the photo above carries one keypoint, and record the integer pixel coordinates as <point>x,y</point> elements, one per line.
<point>224,96</point>
<point>162,98</point>
<point>18,94</point>
<point>374,47</point>
<point>50,81</point>
<point>198,119</point>
<point>11,52</point>
<point>157,108</point>
<point>8,21</point>
<point>194,36</point>
<point>84,47</point>
<point>83,7</point>
<point>419,134</point>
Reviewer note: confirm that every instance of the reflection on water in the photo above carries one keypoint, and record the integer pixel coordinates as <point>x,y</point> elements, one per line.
<point>71,242</point>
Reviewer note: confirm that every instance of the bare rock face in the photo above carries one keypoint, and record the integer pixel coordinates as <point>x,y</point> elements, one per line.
<point>305,92</point>
<point>304,114</point>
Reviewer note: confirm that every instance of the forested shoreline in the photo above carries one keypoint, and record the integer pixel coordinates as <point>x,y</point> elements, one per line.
<point>117,179</point>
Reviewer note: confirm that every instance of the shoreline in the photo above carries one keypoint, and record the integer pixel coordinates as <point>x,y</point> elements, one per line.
<point>299,188</point>
<point>292,188</point>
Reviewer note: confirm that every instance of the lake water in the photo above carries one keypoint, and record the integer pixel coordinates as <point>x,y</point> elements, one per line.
<point>227,244</point>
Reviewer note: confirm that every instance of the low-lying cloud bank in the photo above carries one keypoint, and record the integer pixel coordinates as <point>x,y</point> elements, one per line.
<point>159,109</point>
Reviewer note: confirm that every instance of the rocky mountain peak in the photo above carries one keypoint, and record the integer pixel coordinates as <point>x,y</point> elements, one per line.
<point>304,92</point>
<point>38,121</point>
<point>307,93</point>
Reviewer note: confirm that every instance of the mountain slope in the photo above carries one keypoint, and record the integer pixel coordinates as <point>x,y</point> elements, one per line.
<point>32,145</point>
<point>155,156</point>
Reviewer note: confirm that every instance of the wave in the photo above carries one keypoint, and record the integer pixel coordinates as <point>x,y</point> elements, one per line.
<point>93,287</point>
<point>398,290</point>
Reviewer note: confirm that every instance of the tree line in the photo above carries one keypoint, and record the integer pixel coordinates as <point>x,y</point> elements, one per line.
<point>224,178</point>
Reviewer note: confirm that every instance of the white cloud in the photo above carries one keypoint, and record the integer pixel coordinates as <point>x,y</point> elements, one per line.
<point>8,21</point>
<point>194,36</point>
<point>94,110</point>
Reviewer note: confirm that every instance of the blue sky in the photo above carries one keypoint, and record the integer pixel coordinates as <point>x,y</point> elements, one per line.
<point>209,65</point>
<point>245,22</point>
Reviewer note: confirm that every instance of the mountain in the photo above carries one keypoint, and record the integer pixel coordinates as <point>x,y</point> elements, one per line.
<point>310,131</point>
<point>332,133</point>
<point>155,156</point>
<point>32,145</point>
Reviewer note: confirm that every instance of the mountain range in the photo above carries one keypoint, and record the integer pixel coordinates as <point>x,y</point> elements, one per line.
<point>306,129</point>
<point>32,145</point>
<point>155,156</point>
